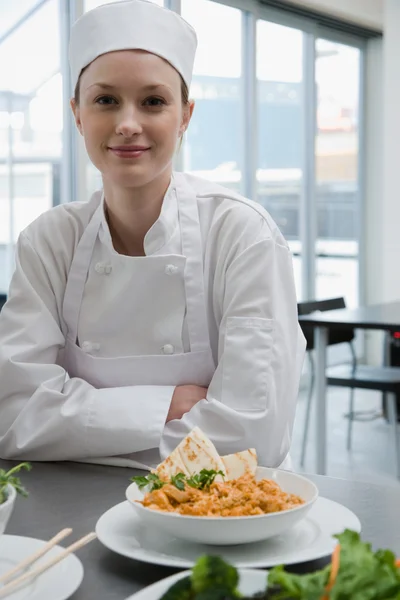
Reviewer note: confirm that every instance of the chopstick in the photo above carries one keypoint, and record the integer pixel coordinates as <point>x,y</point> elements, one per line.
<point>36,555</point>
<point>39,570</point>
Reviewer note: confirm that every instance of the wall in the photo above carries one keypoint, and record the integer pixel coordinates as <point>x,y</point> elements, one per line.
<point>369,13</point>
<point>371,269</point>
<point>382,223</point>
<point>390,224</point>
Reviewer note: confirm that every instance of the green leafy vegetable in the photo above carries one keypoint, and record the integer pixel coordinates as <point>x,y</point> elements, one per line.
<point>180,590</point>
<point>362,575</point>
<point>178,481</point>
<point>217,593</point>
<point>211,579</point>
<point>203,479</point>
<point>152,480</point>
<point>200,480</point>
<point>289,586</point>
<point>8,478</point>
<point>213,573</point>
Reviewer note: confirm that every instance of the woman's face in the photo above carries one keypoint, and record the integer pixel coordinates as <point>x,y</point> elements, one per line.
<point>131,116</point>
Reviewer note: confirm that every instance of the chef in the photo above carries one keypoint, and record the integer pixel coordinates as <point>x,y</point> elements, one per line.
<point>165,301</point>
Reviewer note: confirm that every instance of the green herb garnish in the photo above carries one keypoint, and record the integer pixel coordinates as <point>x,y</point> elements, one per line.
<point>200,480</point>
<point>203,479</point>
<point>179,480</point>
<point>8,478</point>
<point>152,481</point>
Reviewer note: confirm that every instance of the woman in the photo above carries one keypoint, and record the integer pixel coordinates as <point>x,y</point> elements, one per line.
<point>163,303</point>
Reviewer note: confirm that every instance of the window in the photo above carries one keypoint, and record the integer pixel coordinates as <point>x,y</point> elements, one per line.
<point>280,122</point>
<point>337,169</point>
<point>213,146</point>
<point>30,120</point>
<point>90,4</point>
<point>304,165</point>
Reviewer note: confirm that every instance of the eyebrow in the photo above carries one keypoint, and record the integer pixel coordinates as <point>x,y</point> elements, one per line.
<point>150,87</point>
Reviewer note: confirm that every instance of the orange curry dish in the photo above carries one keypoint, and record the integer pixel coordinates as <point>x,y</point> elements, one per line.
<point>242,497</point>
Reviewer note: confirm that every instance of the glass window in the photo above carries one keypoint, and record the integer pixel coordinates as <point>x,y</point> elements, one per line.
<point>12,12</point>
<point>337,149</point>
<point>212,148</point>
<point>90,4</point>
<point>31,120</point>
<point>280,125</point>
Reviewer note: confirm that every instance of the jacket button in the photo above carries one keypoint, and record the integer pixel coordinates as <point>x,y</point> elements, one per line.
<point>103,268</point>
<point>168,349</point>
<point>171,270</point>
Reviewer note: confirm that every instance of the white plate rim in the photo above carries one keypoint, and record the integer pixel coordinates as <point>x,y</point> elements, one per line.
<point>144,556</point>
<point>156,589</point>
<point>65,587</point>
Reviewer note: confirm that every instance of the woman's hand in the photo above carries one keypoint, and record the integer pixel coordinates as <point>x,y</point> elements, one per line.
<point>183,399</point>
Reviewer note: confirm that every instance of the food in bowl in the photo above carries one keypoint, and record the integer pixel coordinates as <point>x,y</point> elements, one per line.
<point>218,530</point>
<point>221,487</point>
<point>241,497</point>
<point>354,573</point>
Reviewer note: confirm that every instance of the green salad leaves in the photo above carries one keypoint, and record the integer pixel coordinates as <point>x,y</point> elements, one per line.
<point>362,575</point>
<point>211,579</point>
<point>356,573</point>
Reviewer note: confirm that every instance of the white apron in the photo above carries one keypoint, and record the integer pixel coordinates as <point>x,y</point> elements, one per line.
<point>194,367</point>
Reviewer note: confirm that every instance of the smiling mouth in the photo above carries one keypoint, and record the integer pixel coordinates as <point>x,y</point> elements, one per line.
<point>128,151</point>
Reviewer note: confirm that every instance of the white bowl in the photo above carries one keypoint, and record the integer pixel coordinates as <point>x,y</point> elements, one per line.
<point>6,508</point>
<point>223,531</point>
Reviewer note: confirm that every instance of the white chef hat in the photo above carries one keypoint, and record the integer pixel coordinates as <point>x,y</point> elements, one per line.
<point>132,25</point>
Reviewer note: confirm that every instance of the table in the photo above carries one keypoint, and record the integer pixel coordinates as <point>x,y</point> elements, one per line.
<point>76,495</point>
<point>380,316</point>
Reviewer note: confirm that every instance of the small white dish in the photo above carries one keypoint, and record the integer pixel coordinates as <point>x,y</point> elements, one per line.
<point>250,582</point>
<point>58,583</point>
<point>123,532</point>
<point>232,530</point>
<point>6,508</point>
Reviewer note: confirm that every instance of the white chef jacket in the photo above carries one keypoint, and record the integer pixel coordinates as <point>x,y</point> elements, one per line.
<point>248,275</point>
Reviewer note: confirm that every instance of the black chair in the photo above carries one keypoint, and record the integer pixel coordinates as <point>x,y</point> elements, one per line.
<point>353,376</point>
<point>3,299</point>
<point>338,335</point>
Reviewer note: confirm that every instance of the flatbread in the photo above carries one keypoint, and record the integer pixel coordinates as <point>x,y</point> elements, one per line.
<point>172,465</point>
<point>194,453</point>
<point>240,463</point>
<point>198,452</point>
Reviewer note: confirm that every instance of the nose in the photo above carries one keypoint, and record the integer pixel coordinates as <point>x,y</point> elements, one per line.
<point>128,122</point>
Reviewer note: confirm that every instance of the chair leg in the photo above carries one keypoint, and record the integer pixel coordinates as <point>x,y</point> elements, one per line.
<point>392,414</point>
<point>350,423</point>
<point>351,404</point>
<point>308,411</point>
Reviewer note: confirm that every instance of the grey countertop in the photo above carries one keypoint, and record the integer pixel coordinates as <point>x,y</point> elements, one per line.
<point>76,495</point>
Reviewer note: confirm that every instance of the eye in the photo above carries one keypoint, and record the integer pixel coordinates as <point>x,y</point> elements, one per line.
<point>154,101</point>
<point>105,100</point>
